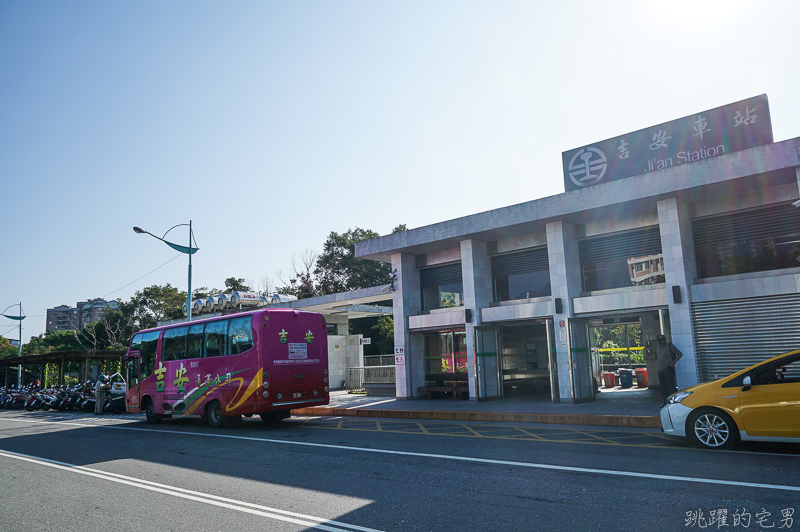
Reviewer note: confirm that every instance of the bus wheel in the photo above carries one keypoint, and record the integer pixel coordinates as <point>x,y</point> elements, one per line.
<point>150,412</point>
<point>267,417</point>
<point>214,415</point>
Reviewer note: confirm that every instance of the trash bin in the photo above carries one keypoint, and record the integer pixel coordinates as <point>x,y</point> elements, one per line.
<point>625,378</point>
<point>641,378</point>
<point>609,380</point>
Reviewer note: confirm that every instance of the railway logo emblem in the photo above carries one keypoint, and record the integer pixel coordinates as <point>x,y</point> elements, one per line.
<point>587,167</point>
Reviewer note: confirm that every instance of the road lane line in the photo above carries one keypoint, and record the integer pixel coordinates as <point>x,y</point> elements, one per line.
<point>255,509</point>
<point>370,404</point>
<point>532,465</point>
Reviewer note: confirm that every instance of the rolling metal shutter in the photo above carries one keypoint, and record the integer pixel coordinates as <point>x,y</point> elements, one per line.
<point>731,335</point>
<point>620,245</point>
<point>774,221</point>
<point>535,260</point>
<point>440,275</point>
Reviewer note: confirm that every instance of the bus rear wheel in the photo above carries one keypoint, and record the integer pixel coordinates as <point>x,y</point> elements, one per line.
<point>214,415</point>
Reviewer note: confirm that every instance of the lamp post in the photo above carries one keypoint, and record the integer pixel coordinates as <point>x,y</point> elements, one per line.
<point>183,249</point>
<point>18,318</point>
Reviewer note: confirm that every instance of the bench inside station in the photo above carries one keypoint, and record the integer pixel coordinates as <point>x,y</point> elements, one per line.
<point>446,384</point>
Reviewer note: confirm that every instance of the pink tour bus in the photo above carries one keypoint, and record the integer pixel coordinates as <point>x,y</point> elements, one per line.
<point>262,362</point>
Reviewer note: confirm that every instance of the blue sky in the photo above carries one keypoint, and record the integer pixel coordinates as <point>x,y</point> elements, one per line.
<point>271,124</point>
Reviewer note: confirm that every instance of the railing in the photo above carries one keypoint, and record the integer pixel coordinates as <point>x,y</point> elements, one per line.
<point>378,360</point>
<point>356,378</point>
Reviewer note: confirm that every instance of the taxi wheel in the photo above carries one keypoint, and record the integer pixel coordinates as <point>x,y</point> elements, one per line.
<point>713,429</point>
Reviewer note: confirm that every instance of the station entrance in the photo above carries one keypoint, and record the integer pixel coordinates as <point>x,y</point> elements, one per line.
<point>622,348</point>
<point>525,351</point>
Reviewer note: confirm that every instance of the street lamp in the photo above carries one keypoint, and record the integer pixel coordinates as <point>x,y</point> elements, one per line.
<point>18,318</point>
<point>183,249</point>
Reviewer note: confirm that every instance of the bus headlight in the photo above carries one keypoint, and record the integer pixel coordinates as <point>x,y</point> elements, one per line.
<point>315,393</point>
<point>279,396</point>
<point>265,394</point>
<point>326,389</point>
<point>325,380</point>
<point>266,375</point>
<point>266,384</point>
<point>325,371</point>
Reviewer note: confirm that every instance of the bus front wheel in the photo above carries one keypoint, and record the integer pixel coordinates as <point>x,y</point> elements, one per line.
<point>214,415</point>
<point>150,413</point>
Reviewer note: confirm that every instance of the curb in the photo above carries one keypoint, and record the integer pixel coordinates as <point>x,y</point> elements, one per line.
<point>650,422</point>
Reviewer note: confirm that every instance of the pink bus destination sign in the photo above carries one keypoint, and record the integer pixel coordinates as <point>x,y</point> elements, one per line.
<point>715,132</point>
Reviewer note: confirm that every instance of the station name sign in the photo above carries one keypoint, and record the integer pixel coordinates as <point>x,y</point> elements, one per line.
<point>715,132</point>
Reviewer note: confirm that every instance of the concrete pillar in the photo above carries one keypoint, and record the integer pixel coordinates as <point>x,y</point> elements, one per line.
<point>407,302</point>
<point>565,284</point>
<point>680,269</point>
<point>476,273</point>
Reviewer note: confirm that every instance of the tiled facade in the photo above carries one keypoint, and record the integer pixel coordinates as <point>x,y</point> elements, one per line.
<point>670,201</point>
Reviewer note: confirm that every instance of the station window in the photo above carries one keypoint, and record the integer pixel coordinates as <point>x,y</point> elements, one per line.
<point>624,259</point>
<point>442,287</point>
<point>446,352</point>
<point>751,241</point>
<point>521,275</point>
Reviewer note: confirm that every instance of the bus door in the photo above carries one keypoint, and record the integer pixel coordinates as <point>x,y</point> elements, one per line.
<point>132,398</point>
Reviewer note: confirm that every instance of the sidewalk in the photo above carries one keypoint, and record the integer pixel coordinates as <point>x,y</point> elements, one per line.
<point>612,407</point>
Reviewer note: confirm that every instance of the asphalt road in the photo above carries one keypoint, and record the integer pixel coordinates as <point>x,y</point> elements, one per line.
<point>81,472</point>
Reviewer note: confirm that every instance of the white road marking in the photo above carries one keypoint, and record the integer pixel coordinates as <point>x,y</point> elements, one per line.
<point>371,404</point>
<point>533,465</point>
<point>241,506</point>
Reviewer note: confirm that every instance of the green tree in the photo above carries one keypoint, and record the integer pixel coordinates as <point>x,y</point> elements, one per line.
<point>232,284</point>
<point>338,269</point>
<point>303,282</point>
<point>384,333</point>
<point>6,349</point>
<point>153,304</point>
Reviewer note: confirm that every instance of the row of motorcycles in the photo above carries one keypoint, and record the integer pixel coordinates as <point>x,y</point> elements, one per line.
<point>79,397</point>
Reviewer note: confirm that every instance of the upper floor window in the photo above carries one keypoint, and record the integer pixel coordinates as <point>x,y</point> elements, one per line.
<point>442,287</point>
<point>751,241</point>
<point>521,275</point>
<point>622,259</point>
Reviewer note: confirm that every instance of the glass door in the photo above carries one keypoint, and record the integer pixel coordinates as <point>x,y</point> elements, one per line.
<point>487,369</point>
<point>580,362</point>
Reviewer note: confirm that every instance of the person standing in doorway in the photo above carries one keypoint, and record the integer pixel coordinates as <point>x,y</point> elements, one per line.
<point>666,357</point>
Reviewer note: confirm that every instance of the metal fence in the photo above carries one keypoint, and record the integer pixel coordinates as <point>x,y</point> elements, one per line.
<point>378,360</point>
<point>356,378</point>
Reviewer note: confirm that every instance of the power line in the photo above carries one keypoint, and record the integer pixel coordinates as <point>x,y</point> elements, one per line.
<point>143,276</point>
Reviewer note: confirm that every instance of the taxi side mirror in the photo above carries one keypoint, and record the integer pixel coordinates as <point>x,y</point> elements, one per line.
<point>746,383</point>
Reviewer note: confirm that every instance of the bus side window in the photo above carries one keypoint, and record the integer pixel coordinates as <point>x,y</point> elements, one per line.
<point>240,335</point>
<point>194,342</point>
<point>215,334</point>
<point>173,344</point>
<point>148,350</point>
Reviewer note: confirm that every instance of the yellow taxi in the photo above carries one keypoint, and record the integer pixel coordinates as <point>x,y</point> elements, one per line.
<point>760,403</point>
